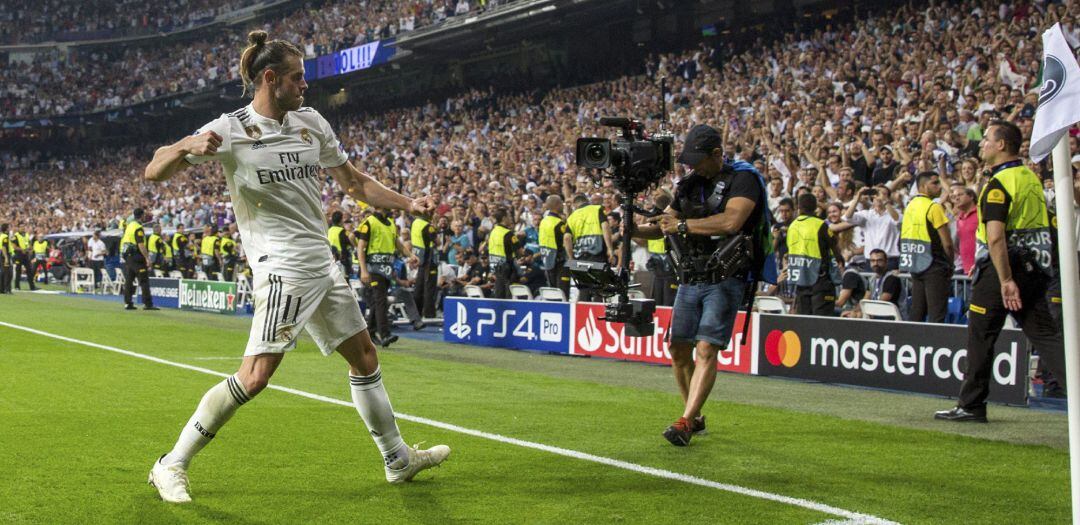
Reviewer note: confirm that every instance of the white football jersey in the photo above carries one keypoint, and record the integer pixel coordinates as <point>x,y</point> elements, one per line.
<point>273,172</point>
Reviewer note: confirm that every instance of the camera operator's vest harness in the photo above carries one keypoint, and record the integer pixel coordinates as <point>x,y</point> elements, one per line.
<point>584,224</point>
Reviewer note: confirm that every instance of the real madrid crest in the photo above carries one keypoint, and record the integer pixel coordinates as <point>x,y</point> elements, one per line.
<point>253,132</point>
<point>305,135</point>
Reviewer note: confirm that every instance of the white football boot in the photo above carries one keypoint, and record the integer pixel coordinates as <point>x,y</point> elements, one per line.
<point>418,460</point>
<point>171,482</point>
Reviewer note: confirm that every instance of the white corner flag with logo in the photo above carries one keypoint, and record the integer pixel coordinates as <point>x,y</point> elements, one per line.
<point>1059,100</point>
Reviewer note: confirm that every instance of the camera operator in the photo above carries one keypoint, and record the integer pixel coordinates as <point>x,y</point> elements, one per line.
<point>592,238</point>
<point>714,203</point>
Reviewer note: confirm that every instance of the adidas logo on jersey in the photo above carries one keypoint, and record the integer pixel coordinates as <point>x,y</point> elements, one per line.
<point>258,144</point>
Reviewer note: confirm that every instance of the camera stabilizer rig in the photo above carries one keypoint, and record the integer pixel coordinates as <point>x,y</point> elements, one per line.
<point>634,162</point>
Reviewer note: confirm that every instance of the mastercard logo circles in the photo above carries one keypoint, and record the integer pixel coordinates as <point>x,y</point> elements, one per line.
<point>783,348</point>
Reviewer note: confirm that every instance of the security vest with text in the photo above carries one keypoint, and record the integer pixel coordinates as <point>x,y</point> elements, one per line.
<point>805,252</point>
<point>497,256</point>
<point>153,248</point>
<point>416,235</point>
<point>41,249</point>
<point>916,253</point>
<point>584,224</point>
<point>380,246</point>
<point>1028,225</point>
<point>550,245</point>
<point>129,246</point>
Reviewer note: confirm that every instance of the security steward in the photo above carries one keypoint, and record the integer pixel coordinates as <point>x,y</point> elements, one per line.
<point>664,281</point>
<point>591,237</point>
<point>1013,268</point>
<point>155,247</point>
<point>555,249</point>
<point>718,204</point>
<point>814,264</point>
<point>340,243</point>
<point>377,242</point>
<point>170,262</point>
<point>6,256</point>
<point>182,253</point>
<point>228,253</point>
<point>136,262</point>
<point>502,247</point>
<point>21,245</point>
<point>926,251</point>
<point>426,289</point>
<point>40,265</point>
<point>209,251</point>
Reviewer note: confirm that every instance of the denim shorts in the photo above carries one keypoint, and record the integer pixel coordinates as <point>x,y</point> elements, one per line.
<point>706,312</point>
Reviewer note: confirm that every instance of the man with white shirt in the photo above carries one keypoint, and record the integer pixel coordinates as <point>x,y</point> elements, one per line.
<point>95,253</point>
<point>880,224</point>
<point>272,153</point>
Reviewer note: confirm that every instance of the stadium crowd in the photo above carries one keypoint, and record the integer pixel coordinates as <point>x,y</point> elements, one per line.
<point>831,112</point>
<point>130,74</point>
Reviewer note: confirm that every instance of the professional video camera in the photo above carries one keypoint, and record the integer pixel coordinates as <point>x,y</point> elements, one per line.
<point>634,162</point>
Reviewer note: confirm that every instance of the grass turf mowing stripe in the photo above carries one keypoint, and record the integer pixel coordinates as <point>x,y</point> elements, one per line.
<point>852,517</point>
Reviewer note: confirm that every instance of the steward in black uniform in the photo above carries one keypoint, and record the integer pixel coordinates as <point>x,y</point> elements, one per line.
<point>426,289</point>
<point>136,262</point>
<point>6,255</point>
<point>1013,261</point>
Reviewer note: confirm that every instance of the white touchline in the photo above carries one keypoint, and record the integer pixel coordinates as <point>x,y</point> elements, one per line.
<point>852,517</point>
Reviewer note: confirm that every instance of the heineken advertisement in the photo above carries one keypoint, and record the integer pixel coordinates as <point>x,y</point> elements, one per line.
<point>208,296</point>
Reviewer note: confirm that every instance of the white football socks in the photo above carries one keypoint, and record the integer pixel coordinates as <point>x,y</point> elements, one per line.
<point>217,406</point>
<point>372,403</point>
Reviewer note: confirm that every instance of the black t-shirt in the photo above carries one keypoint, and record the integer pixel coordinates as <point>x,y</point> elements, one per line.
<point>854,282</point>
<point>860,170</point>
<point>889,284</point>
<point>884,174</point>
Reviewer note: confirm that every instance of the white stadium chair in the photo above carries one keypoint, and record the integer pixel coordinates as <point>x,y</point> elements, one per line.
<point>109,286</point>
<point>201,275</point>
<point>520,292</point>
<point>216,276</point>
<point>471,290</point>
<point>879,310</point>
<point>770,305</point>
<point>635,294</point>
<point>176,274</point>
<point>158,273</point>
<point>552,294</point>
<point>82,280</point>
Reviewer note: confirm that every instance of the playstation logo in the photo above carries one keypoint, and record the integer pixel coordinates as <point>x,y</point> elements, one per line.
<point>461,329</point>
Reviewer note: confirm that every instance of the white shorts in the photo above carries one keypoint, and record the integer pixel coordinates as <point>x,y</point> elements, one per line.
<point>325,306</point>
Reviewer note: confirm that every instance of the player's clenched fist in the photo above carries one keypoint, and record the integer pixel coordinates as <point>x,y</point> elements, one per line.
<point>203,144</point>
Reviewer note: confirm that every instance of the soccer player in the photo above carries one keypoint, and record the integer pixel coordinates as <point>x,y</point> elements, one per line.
<point>272,151</point>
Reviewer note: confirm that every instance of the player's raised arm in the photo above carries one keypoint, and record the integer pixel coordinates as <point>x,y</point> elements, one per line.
<point>362,187</point>
<point>169,160</point>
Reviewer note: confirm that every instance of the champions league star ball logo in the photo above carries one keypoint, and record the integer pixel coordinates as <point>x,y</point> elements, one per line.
<point>1053,79</point>
<point>305,136</point>
<point>253,132</point>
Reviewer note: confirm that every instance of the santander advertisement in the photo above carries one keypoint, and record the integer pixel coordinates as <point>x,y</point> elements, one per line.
<point>593,337</point>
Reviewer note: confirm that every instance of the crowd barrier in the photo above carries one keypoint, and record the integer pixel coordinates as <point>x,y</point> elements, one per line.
<point>904,356</point>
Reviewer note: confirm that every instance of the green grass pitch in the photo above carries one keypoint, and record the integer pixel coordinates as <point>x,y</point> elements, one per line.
<point>82,425</point>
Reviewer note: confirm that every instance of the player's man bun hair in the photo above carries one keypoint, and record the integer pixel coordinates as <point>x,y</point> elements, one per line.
<point>261,54</point>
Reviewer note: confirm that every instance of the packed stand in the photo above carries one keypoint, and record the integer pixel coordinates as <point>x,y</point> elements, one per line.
<point>129,75</point>
<point>833,113</point>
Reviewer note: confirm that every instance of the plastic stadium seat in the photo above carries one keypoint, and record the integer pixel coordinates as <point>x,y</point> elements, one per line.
<point>552,294</point>
<point>635,294</point>
<point>520,292</point>
<point>879,310</point>
<point>110,286</point>
<point>471,290</point>
<point>82,280</point>
<point>176,274</point>
<point>956,312</point>
<point>770,305</point>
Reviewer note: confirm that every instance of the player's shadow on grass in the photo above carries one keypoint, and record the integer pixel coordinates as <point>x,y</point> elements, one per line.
<point>151,509</point>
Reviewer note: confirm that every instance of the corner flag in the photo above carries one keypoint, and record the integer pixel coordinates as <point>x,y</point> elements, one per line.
<point>1059,100</point>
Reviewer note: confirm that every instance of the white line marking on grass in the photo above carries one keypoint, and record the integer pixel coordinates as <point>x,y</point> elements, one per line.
<point>851,517</point>
<point>233,358</point>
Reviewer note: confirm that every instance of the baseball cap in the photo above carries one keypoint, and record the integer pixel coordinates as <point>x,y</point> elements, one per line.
<point>700,141</point>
